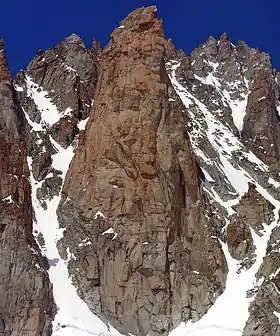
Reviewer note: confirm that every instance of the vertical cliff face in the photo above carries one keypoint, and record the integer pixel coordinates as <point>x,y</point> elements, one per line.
<point>56,93</point>
<point>153,178</point>
<point>133,212</point>
<point>26,304</point>
<point>231,94</point>
<point>261,123</point>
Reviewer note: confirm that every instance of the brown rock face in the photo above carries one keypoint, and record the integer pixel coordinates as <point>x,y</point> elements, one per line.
<point>147,265</point>
<point>10,121</point>
<point>65,77</point>
<point>254,209</point>
<point>261,130</point>
<point>224,50</point>
<point>4,70</point>
<point>26,304</point>
<point>239,238</point>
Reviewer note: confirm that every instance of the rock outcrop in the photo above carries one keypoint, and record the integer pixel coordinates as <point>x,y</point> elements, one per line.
<point>232,95</point>
<point>261,124</point>
<point>68,73</point>
<point>56,94</point>
<point>171,199</point>
<point>132,206</point>
<point>26,302</point>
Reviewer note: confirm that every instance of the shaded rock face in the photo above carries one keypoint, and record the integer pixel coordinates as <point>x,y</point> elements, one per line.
<point>144,256</point>
<point>255,209</point>
<point>261,123</point>
<point>4,70</point>
<point>233,67</point>
<point>263,320</point>
<point>26,302</point>
<point>253,212</point>
<point>68,73</point>
<point>239,239</point>
<point>63,81</point>
<point>232,98</point>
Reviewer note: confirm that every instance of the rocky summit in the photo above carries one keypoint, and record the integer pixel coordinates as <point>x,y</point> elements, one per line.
<point>140,188</point>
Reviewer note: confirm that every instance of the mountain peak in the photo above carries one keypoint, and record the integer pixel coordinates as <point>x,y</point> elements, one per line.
<point>224,47</point>
<point>73,39</point>
<point>224,37</point>
<point>5,74</point>
<point>143,18</point>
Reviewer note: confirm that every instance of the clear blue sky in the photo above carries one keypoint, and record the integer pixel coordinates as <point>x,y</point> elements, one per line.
<point>29,25</point>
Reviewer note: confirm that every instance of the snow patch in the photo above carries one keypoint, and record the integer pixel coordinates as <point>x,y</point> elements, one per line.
<point>99,214</point>
<point>18,88</point>
<point>49,112</point>
<point>110,230</point>
<point>8,199</point>
<point>67,112</point>
<point>278,110</point>
<point>69,68</point>
<point>82,124</point>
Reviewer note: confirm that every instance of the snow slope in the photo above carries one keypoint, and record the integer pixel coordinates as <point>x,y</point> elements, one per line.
<point>227,317</point>
<point>73,317</point>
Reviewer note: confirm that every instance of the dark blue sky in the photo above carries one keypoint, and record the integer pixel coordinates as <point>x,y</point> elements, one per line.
<point>29,25</point>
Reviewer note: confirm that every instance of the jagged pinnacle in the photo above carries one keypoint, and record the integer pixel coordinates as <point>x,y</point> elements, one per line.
<point>5,74</point>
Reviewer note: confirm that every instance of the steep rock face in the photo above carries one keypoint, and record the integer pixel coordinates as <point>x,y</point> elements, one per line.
<point>68,73</point>
<point>26,303</point>
<point>232,98</point>
<point>143,253</point>
<point>261,124</point>
<point>246,94</point>
<point>56,94</point>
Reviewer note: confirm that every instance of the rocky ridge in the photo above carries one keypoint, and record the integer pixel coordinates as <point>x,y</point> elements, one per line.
<point>26,303</point>
<point>170,204</point>
<point>226,89</point>
<point>152,273</point>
